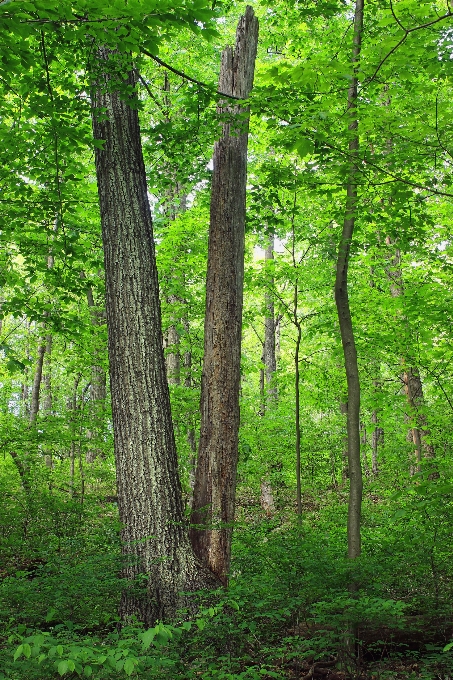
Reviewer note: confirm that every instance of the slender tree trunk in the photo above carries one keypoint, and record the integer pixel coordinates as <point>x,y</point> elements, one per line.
<point>262,410</point>
<point>47,381</point>
<point>98,386</point>
<point>72,408</point>
<point>37,378</point>
<point>215,480</point>
<point>342,302</point>
<point>278,321</point>
<point>344,450</point>
<point>269,328</point>
<point>173,358</point>
<point>364,441</point>
<point>413,386</point>
<point>155,540</point>
<point>190,432</point>
<point>298,430</point>
<point>377,440</point>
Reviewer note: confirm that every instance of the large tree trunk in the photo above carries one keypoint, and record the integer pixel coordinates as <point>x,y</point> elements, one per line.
<point>342,302</point>
<point>155,540</point>
<point>215,480</point>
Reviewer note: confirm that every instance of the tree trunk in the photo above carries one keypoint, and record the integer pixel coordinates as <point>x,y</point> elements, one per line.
<point>155,540</point>
<point>377,440</point>
<point>37,378</point>
<point>173,358</point>
<point>190,432</point>
<point>215,480</point>
<point>364,441</point>
<point>342,302</point>
<point>98,386</point>
<point>269,328</point>
<point>413,386</point>
<point>297,394</point>
<point>47,381</point>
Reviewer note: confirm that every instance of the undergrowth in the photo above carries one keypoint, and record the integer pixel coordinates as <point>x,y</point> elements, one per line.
<point>287,613</point>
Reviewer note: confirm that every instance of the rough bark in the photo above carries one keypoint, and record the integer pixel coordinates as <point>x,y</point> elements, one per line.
<point>215,480</point>
<point>342,303</point>
<point>155,540</point>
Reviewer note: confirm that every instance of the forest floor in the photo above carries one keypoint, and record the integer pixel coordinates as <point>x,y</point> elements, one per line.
<point>287,613</point>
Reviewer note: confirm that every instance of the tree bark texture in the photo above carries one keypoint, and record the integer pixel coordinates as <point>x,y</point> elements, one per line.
<point>154,537</point>
<point>215,479</point>
<point>342,303</point>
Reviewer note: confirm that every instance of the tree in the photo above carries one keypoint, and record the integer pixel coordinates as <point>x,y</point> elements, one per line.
<point>342,302</point>
<point>155,539</point>
<point>215,478</point>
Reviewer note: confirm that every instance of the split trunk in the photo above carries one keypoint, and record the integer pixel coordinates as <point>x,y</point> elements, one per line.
<point>215,478</point>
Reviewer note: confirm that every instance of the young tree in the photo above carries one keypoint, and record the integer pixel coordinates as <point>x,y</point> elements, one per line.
<point>342,302</point>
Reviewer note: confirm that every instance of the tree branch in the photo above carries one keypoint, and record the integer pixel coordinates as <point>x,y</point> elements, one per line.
<point>186,77</point>
<point>395,177</point>
<point>407,32</point>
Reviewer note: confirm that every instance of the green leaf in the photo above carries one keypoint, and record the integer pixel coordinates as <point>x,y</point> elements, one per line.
<point>187,625</point>
<point>129,666</point>
<point>50,615</point>
<point>18,652</point>
<point>63,667</point>
<point>88,671</point>
<point>148,637</point>
<point>26,650</point>
<point>304,147</point>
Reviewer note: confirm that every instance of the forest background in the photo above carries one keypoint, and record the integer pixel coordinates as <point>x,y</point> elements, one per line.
<point>289,610</point>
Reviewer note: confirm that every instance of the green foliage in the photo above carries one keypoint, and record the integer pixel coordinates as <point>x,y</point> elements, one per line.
<point>289,605</point>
